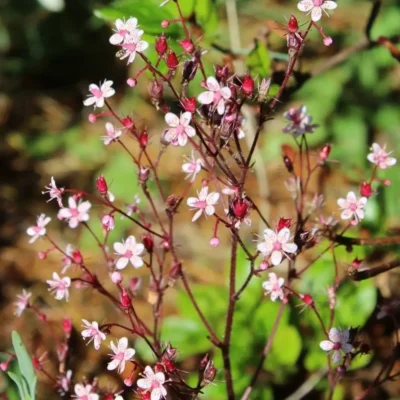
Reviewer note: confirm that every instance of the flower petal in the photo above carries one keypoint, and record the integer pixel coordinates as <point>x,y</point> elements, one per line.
<point>172,119</point>
<point>276,257</point>
<point>326,345</point>
<point>206,97</point>
<point>305,5</point>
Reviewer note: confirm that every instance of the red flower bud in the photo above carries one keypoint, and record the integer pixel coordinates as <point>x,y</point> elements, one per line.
<point>172,60</point>
<point>67,326</point>
<point>293,25</point>
<point>189,104</point>
<point>132,82</point>
<point>158,367</point>
<point>128,123</point>
<point>204,361</point>
<point>366,190</point>
<point>187,45</point>
<point>288,163</point>
<point>221,73</point>
<point>161,45</point>
<point>42,255</point>
<point>239,207</point>
<point>175,271</point>
<point>356,263</point>
<point>92,118</point>
<point>324,153</point>
<point>209,373</point>
<point>169,366</point>
<point>77,257</point>
<point>148,242</point>
<point>247,85</point>
<point>165,24</point>
<point>144,174</point>
<point>283,223</point>
<point>144,139</point>
<point>125,299</point>
<point>307,300</point>
<point>102,186</point>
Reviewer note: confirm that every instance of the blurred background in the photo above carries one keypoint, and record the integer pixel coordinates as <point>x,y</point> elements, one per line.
<point>51,50</point>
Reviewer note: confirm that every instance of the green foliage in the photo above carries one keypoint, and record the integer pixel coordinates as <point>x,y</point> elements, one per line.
<point>259,60</point>
<point>25,378</point>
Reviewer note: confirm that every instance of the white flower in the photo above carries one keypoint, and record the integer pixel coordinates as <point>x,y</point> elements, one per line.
<point>315,7</point>
<point>204,203</point>
<point>64,382</point>
<point>216,94</point>
<point>338,341</point>
<point>84,392</point>
<point>352,207</point>
<point>180,129</point>
<point>93,332</point>
<point>277,244</point>
<point>129,251</point>
<point>123,30</point>
<point>59,286</point>
<point>132,45</point>
<point>99,94</point>
<point>192,167</point>
<point>153,382</point>
<point>39,229</point>
<point>75,213</point>
<point>300,121</point>
<point>380,157</point>
<point>274,286</point>
<point>22,303</point>
<point>112,134</point>
<point>121,354</point>
<point>54,192</point>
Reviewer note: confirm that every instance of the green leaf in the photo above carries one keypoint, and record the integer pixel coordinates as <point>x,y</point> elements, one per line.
<point>259,60</point>
<point>22,389</point>
<point>206,16</point>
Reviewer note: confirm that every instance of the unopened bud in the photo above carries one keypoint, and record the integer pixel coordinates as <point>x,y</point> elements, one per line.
<point>204,362</point>
<point>307,299</point>
<point>293,25</point>
<point>172,60</point>
<point>128,381</point>
<point>128,123</point>
<point>161,45</point>
<point>148,243</point>
<point>283,223</point>
<point>172,202</point>
<point>132,82</point>
<point>189,70</point>
<point>341,369</point>
<point>77,257</point>
<point>187,45</point>
<point>209,373</point>
<point>144,139</point>
<point>92,118</point>
<point>366,190</point>
<point>169,365</point>
<point>102,186</point>
<point>116,277</point>
<point>288,163</point>
<point>108,222</point>
<point>156,89</point>
<point>165,245</point>
<point>387,182</point>
<point>324,153</point>
<point>67,326</point>
<point>165,24</point>
<point>327,40</point>
<point>4,365</point>
<point>175,272</point>
<point>144,174</point>
<point>214,241</point>
<point>42,255</point>
<point>248,85</point>
<point>264,265</point>
<point>221,73</point>
<point>125,299</point>
<point>189,104</point>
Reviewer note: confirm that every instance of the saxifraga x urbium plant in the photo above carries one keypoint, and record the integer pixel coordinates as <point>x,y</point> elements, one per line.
<point>210,126</point>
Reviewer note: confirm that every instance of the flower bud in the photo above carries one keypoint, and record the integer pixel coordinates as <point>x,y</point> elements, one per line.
<point>288,163</point>
<point>77,257</point>
<point>92,118</point>
<point>128,381</point>
<point>125,299</point>
<point>165,24</point>
<point>189,104</point>
<point>204,361</point>
<point>341,369</point>
<point>187,45</point>
<point>283,223</point>
<point>324,153</point>
<point>307,300</point>
<point>169,365</point>
<point>356,263</point>
<point>36,363</point>
<point>116,277</point>
<point>108,222</point>
<point>248,85</point>
<point>366,190</point>
<point>293,25</point>
<point>67,326</point>
<point>156,90</point>
<point>101,184</point>
<point>170,352</point>
<point>161,45</point>
<point>4,365</point>
<point>42,255</point>
<point>144,174</point>
<point>158,367</point>
<point>327,40</point>
<point>132,82</point>
<point>165,245</point>
<point>239,207</point>
<point>175,271</point>
<point>214,241</point>
<point>172,60</point>
<point>128,123</point>
<point>148,242</point>
<point>144,139</point>
<point>264,265</point>
<point>209,372</point>
<point>221,73</point>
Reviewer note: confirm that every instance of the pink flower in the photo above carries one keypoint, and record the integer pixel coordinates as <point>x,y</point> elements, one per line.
<point>300,121</point>
<point>108,222</point>
<point>112,134</point>
<point>132,45</point>
<point>123,30</point>
<point>276,244</point>
<point>39,229</point>
<point>216,94</point>
<point>59,286</point>
<point>352,207</point>
<point>315,7</point>
<point>22,303</point>
<point>93,332</point>
<point>192,167</point>
<point>75,213</point>
<point>204,203</point>
<point>99,94</point>
<point>84,392</point>
<point>129,251</point>
<point>180,129</point>
<point>274,286</point>
<point>64,382</point>
<point>121,354</point>
<point>380,157</point>
<point>338,341</point>
<point>54,192</point>
<point>154,383</point>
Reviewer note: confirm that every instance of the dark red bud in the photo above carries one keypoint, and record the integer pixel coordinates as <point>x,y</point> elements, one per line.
<point>307,299</point>
<point>204,361</point>
<point>189,104</point>
<point>148,243</point>
<point>283,223</point>
<point>158,367</point>
<point>125,299</point>
<point>187,45</point>
<point>102,186</point>
<point>175,271</point>
<point>366,190</point>
<point>172,60</point>
<point>293,25</point>
<point>67,326</point>
<point>247,85</point>
<point>128,123</point>
<point>165,245</point>
<point>161,45</point>
<point>169,366</point>
<point>240,208</point>
<point>144,139</point>
<point>365,348</point>
<point>221,73</point>
<point>324,153</point>
<point>341,369</point>
<point>210,372</point>
<point>288,163</point>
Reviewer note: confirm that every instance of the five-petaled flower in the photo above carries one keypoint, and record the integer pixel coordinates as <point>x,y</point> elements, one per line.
<point>75,212</point>
<point>84,392</point>
<point>180,129</point>
<point>380,157</point>
<point>338,341</point>
<point>121,354</point>
<point>22,303</point>
<point>300,121</point>
<point>315,7</point>
<point>216,94</point>
<point>132,45</point>
<point>112,134</point>
<point>123,30</point>
<point>93,332</point>
<point>352,207</point>
<point>274,286</point>
<point>129,251</point>
<point>204,203</point>
<point>99,94</point>
<point>54,192</point>
<point>276,244</point>
<point>153,383</point>
<point>39,229</point>
<point>192,167</point>
<point>59,286</point>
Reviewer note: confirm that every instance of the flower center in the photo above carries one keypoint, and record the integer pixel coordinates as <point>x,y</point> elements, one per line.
<point>128,254</point>
<point>180,129</point>
<point>337,346</point>
<point>74,212</point>
<point>201,204</point>
<point>318,3</point>
<point>131,47</point>
<point>353,207</point>
<point>97,93</point>
<point>277,246</point>
<point>217,97</point>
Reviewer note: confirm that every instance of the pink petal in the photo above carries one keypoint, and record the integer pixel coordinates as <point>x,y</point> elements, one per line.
<point>226,93</point>
<point>329,5</point>
<point>276,257</point>
<point>185,119</point>
<point>283,235</point>
<point>326,345</point>
<point>289,247</point>
<point>213,84</point>
<point>206,97</point>
<point>122,263</point>
<point>172,119</point>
